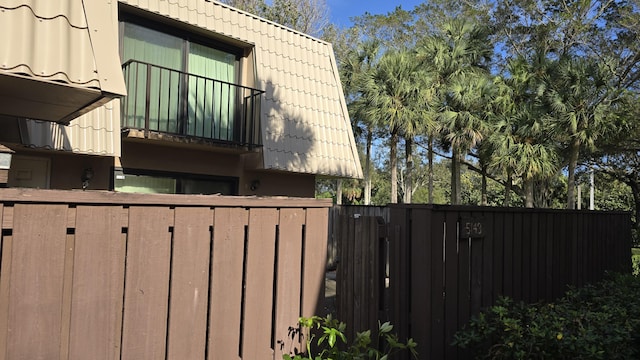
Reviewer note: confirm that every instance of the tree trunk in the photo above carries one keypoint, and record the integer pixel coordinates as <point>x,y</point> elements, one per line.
<point>507,189</point>
<point>455,176</point>
<point>367,169</point>
<point>339,192</point>
<point>635,190</point>
<point>483,200</point>
<point>408,179</point>
<point>574,152</point>
<point>393,165</point>
<point>528,191</point>
<point>430,169</point>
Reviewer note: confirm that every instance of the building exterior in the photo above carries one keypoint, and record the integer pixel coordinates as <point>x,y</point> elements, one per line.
<point>204,98</point>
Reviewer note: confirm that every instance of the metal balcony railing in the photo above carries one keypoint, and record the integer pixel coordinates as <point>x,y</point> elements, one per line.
<point>170,101</point>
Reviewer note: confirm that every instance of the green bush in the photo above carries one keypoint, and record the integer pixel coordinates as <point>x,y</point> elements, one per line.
<point>332,343</point>
<point>600,321</point>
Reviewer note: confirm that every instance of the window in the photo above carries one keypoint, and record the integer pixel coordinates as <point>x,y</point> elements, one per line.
<point>179,85</point>
<point>156,182</point>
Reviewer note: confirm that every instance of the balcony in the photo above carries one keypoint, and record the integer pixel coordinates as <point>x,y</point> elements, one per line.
<point>187,106</point>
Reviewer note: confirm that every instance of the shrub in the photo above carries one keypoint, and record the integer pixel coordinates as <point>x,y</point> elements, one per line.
<point>600,321</point>
<point>332,343</point>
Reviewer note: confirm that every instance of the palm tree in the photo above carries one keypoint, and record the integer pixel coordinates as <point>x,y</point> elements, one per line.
<point>355,70</point>
<point>456,59</point>
<point>578,96</point>
<point>392,92</point>
<point>519,142</point>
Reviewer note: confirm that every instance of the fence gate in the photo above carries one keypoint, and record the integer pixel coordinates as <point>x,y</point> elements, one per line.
<point>361,272</point>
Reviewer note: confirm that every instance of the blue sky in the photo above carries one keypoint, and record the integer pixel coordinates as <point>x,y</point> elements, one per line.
<point>342,10</point>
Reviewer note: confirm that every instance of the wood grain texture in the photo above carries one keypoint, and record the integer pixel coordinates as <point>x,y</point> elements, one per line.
<point>25,195</point>
<point>36,282</point>
<point>225,305</point>
<point>147,283</point>
<point>258,300</point>
<point>98,284</point>
<point>288,280</point>
<point>190,283</point>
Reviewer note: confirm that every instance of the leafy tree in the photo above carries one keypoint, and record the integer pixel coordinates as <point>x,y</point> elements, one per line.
<point>308,16</point>
<point>592,59</point>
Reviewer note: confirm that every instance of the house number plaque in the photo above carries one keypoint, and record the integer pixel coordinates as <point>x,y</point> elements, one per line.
<point>471,228</point>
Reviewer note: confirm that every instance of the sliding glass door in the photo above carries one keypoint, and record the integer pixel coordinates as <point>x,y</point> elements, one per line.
<point>178,86</point>
<point>211,104</point>
<point>161,85</point>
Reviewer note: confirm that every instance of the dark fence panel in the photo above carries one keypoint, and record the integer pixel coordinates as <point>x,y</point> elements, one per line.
<point>446,263</point>
<point>361,279</point>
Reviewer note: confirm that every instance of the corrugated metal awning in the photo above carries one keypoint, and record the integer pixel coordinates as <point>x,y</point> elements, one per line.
<point>59,59</point>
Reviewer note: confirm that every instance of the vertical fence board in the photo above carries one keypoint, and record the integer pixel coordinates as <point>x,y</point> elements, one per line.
<point>464,271</point>
<point>509,256</point>
<point>488,259</point>
<point>98,284</point>
<point>527,253</point>
<point>421,263</point>
<point>288,280</point>
<point>147,283</point>
<point>579,250</point>
<point>437,279</point>
<point>538,247</point>
<point>36,282</point>
<point>499,270</point>
<point>374,274</point>
<point>399,269</point>
<point>344,275</point>
<point>360,232</point>
<point>315,250</point>
<point>518,249</point>
<point>258,301</point>
<point>189,283</point>
<point>533,257</point>
<point>451,282</point>
<point>226,283</point>
<point>5,275</point>
<point>550,256</point>
<point>464,283</point>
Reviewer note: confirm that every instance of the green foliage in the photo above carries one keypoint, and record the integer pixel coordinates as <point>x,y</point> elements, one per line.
<point>635,261</point>
<point>332,344</point>
<point>600,321</point>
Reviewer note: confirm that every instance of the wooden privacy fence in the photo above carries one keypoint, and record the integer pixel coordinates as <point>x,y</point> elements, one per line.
<point>97,275</point>
<point>446,263</point>
<point>337,216</point>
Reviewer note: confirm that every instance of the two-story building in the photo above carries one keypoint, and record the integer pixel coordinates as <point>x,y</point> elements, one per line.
<point>168,96</point>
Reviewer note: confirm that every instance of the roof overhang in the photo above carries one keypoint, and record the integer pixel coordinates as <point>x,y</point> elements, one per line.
<point>70,63</point>
<point>43,100</point>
